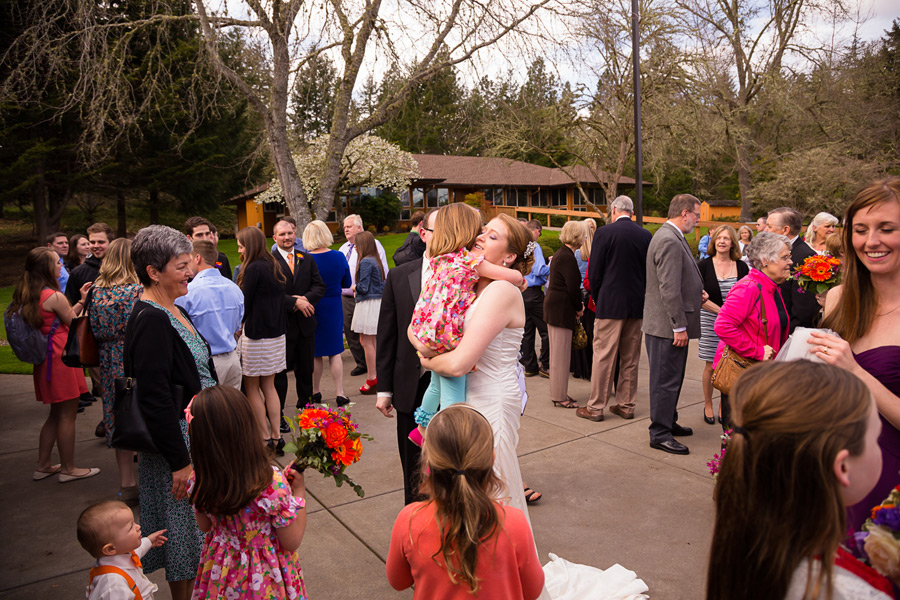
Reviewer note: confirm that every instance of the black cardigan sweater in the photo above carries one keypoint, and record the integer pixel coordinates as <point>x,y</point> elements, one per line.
<point>711,282</point>
<point>562,300</point>
<point>158,359</point>
<point>264,314</point>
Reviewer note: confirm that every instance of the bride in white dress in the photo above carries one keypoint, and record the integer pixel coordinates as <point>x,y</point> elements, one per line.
<point>490,343</point>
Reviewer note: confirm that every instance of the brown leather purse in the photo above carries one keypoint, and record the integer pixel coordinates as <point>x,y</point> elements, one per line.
<point>81,346</point>
<point>732,365</point>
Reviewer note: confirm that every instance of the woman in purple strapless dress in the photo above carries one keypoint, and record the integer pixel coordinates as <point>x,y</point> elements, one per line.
<point>865,312</point>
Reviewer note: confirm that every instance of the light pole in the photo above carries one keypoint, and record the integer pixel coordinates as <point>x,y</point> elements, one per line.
<point>638,160</point>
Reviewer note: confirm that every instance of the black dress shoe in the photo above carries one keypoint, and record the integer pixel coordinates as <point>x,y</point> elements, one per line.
<point>357,370</point>
<point>279,447</point>
<point>285,428</point>
<point>314,399</point>
<point>342,400</point>
<point>670,446</point>
<point>708,420</point>
<point>681,431</point>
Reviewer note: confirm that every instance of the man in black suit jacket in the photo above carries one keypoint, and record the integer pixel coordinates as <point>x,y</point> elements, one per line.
<point>401,382</point>
<point>617,275</point>
<point>302,291</point>
<point>802,308</point>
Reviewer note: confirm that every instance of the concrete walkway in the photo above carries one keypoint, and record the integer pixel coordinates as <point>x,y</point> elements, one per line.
<point>608,497</point>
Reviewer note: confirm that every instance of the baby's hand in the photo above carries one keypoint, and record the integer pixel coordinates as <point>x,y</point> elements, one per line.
<point>157,539</point>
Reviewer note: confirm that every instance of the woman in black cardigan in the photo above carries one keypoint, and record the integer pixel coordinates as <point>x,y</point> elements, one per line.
<point>720,272</point>
<point>171,362</point>
<point>562,309</point>
<point>263,343</point>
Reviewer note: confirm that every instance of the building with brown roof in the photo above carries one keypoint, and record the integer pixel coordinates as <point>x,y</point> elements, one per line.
<point>444,179</point>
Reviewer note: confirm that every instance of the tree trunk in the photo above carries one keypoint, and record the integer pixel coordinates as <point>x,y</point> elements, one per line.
<point>39,204</point>
<point>121,228</point>
<point>154,206</point>
<point>743,169</point>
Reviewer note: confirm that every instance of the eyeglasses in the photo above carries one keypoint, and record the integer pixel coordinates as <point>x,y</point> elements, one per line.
<point>426,229</point>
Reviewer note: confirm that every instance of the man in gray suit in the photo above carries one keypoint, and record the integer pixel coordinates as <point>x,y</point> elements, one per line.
<point>671,319</point>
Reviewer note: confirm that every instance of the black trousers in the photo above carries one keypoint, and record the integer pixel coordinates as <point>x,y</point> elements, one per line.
<point>300,350</point>
<point>534,320</point>
<point>409,452</point>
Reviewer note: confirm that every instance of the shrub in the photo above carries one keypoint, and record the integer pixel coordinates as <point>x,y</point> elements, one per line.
<point>557,220</point>
<point>549,246</point>
<point>371,229</point>
<point>379,211</point>
<point>385,229</point>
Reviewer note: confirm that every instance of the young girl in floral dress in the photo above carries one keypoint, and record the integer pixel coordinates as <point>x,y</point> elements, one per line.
<point>439,314</point>
<point>253,513</point>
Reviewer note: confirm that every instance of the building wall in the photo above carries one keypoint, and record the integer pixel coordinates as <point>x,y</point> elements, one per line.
<point>717,213</point>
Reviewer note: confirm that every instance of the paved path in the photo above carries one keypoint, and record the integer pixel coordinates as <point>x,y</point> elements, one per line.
<point>608,498</point>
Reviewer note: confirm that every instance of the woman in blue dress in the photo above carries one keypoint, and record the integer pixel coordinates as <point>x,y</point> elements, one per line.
<point>335,273</point>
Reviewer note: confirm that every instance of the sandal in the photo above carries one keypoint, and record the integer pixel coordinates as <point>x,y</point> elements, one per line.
<point>532,496</point>
<point>368,388</point>
<point>567,403</point>
<point>40,475</point>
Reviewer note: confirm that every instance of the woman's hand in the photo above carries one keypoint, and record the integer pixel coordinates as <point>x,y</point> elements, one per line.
<point>832,350</point>
<point>179,482</point>
<point>84,291</point>
<point>711,307</point>
<point>768,353</point>
<point>820,298</point>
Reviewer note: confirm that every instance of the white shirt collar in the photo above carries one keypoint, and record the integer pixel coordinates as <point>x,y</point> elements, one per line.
<point>285,254</point>
<point>676,227</point>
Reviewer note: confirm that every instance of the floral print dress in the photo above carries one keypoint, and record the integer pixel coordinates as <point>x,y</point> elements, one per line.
<point>438,316</point>
<point>242,557</point>
<point>109,311</point>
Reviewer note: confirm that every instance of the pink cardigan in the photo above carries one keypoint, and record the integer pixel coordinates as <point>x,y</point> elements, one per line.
<point>739,323</point>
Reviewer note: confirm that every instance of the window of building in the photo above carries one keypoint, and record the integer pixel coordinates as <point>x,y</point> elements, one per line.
<point>443,196</point>
<point>418,198</point>
<point>431,198</point>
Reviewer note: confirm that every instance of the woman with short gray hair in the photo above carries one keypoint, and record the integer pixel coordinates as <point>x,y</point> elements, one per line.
<point>753,321</point>
<point>171,362</point>
<point>821,226</point>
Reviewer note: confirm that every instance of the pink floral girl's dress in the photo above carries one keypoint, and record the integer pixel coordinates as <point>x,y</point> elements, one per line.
<point>438,323</point>
<point>242,557</point>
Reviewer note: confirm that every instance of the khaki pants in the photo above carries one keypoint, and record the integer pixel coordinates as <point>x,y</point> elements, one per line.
<point>228,368</point>
<point>560,359</point>
<point>612,336</point>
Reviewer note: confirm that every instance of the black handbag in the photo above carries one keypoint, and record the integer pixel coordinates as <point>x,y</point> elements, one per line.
<point>130,431</point>
<point>81,346</point>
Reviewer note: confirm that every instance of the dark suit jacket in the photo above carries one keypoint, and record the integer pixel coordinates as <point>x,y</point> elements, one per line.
<point>617,271</point>
<point>305,281</point>
<point>413,248</point>
<point>562,299</point>
<point>80,275</point>
<point>397,365</point>
<point>802,307</point>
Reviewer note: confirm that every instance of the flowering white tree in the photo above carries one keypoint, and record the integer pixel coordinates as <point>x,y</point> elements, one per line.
<point>368,161</point>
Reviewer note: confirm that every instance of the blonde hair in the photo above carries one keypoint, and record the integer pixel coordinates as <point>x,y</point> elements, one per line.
<point>590,226</point>
<point>95,525</point>
<point>117,268</point>
<point>735,252</point>
<point>317,235</point>
<point>458,476</point>
<point>572,233</point>
<point>456,226</point>
<point>812,230</point>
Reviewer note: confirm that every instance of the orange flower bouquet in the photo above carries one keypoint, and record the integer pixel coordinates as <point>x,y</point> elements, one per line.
<point>818,273</point>
<point>327,441</point>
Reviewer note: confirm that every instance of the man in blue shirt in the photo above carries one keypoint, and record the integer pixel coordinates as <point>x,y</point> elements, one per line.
<point>59,243</point>
<point>534,310</point>
<point>216,306</point>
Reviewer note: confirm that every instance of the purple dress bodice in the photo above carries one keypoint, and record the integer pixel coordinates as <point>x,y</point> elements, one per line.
<point>883,363</point>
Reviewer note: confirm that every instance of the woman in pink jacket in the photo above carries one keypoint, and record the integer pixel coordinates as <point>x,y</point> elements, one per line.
<point>754,320</point>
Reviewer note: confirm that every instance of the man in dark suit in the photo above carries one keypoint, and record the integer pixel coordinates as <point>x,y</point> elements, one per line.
<point>401,381</point>
<point>802,308</point>
<point>674,294</point>
<point>303,289</point>
<point>617,274</point>
<point>413,247</point>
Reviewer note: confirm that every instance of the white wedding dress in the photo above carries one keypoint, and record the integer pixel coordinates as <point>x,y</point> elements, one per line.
<point>493,390</point>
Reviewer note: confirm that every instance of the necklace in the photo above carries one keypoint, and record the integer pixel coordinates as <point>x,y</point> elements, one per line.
<point>888,312</point>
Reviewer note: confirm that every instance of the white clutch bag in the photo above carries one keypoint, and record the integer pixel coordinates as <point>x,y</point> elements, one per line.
<point>797,346</point>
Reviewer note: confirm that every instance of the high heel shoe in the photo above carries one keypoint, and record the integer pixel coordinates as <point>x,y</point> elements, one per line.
<point>342,401</point>
<point>368,388</point>
<point>708,420</point>
<point>279,447</point>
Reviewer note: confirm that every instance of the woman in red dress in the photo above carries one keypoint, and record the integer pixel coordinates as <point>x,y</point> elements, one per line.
<point>41,303</point>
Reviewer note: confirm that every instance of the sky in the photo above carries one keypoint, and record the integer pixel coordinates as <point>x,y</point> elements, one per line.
<point>873,17</point>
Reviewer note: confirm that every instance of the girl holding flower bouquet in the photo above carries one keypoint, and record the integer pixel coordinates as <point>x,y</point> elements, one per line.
<point>437,322</point>
<point>461,543</point>
<point>794,461</point>
<point>252,512</point>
